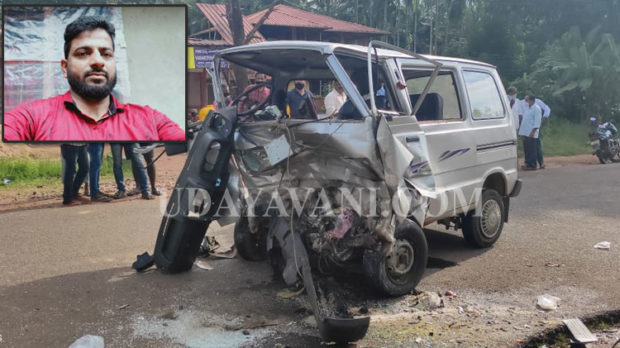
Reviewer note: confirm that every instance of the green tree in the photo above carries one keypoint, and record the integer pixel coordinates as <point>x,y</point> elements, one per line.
<point>580,75</point>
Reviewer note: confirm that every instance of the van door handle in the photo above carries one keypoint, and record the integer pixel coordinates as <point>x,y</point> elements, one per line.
<point>412,139</point>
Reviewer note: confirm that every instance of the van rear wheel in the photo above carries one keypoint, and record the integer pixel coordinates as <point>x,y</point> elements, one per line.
<point>482,229</point>
<point>399,272</point>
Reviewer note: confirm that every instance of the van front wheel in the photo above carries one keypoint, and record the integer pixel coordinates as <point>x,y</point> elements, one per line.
<point>399,272</point>
<point>483,226</point>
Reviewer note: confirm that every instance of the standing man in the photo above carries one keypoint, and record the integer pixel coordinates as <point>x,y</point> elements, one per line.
<point>150,169</point>
<point>257,96</point>
<point>72,180</point>
<point>137,167</point>
<point>516,105</point>
<point>546,111</point>
<point>335,99</point>
<point>95,150</point>
<point>88,111</point>
<point>530,125</point>
<point>297,98</point>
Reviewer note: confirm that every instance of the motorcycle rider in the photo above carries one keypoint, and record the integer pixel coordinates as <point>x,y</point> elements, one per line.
<point>606,149</point>
<point>604,130</point>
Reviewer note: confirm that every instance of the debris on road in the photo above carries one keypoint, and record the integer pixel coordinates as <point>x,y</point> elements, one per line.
<point>88,341</point>
<point>286,293</point>
<point>168,315</point>
<point>427,301</point>
<point>558,265</point>
<point>310,321</point>
<point>123,306</point>
<point>230,254</point>
<point>579,331</point>
<point>204,265</point>
<point>6,181</point>
<point>252,324</point>
<point>450,294</point>
<point>143,262</point>
<point>547,302</point>
<point>603,245</point>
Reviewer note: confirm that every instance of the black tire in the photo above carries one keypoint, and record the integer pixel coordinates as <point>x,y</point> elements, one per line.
<point>603,159</point>
<point>377,269</point>
<point>178,243</point>
<point>251,246</point>
<point>484,230</point>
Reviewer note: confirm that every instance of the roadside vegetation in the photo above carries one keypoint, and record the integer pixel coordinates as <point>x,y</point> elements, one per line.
<point>28,172</point>
<point>563,138</point>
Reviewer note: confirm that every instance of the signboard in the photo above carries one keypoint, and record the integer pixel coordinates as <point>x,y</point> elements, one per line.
<point>202,58</point>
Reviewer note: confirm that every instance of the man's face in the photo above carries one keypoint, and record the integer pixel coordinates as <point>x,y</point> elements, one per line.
<point>90,67</point>
<point>530,101</point>
<point>260,78</point>
<point>338,87</point>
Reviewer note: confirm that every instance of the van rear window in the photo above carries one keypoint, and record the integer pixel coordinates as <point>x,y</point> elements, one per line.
<point>484,98</point>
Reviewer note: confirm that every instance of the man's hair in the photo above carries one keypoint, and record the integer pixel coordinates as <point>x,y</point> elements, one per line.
<point>86,23</point>
<point>512,90</point>
<point>530,97</point>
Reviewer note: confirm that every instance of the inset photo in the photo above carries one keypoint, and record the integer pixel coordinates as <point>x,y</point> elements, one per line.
<point>94,74</point>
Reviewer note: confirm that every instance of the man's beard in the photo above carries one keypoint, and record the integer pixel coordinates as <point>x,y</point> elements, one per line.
<point>89,91</point>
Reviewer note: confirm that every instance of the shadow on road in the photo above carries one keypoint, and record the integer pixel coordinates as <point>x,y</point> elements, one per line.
<point>447,249</point>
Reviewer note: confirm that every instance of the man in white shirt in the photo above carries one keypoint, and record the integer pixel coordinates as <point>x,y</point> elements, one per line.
<point>335,99</point>
<point>530,125</point>
<point>546,111</point>
<point>516,105</point>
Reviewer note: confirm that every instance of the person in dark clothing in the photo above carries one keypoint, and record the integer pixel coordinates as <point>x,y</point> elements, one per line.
<point>298,100</point>
<point>150,170</point>
<point>73,154</point>
<point>95,151</point>
<point>137,167</point>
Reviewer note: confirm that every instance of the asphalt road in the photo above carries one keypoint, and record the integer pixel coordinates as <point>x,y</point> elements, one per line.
<point>65,273</point>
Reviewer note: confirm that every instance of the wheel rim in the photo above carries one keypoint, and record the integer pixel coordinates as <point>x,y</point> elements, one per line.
<point>491,218</point>
<point>400,261</point>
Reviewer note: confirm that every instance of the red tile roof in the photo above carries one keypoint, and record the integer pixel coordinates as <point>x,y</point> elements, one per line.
<point>288,16</point>
<point>216,14</point>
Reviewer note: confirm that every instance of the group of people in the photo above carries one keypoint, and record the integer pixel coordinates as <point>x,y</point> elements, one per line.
<point>529,114</point>
<point>88,159</point>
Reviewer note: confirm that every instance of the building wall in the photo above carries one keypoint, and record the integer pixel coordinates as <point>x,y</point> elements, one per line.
<point>155,38</point>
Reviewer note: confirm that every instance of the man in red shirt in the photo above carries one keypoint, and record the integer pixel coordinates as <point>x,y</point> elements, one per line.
<point>88,111</point>
<point>257,96</point>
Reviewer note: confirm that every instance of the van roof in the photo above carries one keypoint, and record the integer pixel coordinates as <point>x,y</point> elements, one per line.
<point>330,47</point>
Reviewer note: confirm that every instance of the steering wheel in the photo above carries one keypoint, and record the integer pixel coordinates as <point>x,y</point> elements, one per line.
<point>245,95</point>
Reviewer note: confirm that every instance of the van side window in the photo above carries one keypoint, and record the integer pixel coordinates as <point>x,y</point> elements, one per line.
<point>484,97</point>
<point>441,102</point>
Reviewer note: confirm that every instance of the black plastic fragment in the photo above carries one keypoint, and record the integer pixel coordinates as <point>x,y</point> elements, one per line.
<point>143,262</point>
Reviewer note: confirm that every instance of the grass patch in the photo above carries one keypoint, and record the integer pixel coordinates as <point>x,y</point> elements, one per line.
<point>28,171</point>
<point>563,138</point>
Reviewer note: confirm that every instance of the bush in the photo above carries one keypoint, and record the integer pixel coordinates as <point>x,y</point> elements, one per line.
<point>23,169</point>
<point>563,138</point>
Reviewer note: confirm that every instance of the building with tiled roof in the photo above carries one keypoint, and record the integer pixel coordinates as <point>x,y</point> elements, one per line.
<point>283,23</point>
<point>290,23</point>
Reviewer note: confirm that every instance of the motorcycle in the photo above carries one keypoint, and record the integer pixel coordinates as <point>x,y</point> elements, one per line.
<point>606,147</point>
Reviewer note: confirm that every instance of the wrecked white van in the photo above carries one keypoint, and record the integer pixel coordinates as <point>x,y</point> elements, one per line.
<point>420,139</point>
